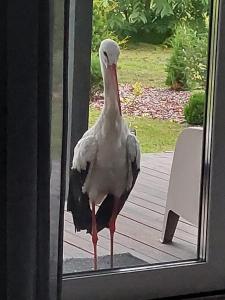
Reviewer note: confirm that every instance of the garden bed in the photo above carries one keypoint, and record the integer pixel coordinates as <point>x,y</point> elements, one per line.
<point>155,103</point>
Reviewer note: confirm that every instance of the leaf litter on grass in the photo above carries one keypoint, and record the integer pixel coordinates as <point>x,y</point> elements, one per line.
<point>155,103</point>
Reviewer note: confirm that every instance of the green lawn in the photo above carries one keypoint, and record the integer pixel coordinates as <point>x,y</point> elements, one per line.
<point>143,63</point>
<point>153,135</point>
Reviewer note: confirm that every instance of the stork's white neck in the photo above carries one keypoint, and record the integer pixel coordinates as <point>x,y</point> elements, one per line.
<point>110,92</point>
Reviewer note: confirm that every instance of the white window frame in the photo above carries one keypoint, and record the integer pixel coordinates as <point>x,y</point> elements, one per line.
<point>207,272</point>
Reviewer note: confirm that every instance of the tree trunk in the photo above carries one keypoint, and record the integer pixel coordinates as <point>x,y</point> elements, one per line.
<point>147,5</point>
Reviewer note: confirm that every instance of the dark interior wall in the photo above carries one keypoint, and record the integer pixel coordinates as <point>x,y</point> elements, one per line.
<point>25,92</point>
<point>3,112</point>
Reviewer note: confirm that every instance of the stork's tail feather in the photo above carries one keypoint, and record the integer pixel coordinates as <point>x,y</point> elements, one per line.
<point>78,203</point>
<point>104,213</point>
<point>105,210</point>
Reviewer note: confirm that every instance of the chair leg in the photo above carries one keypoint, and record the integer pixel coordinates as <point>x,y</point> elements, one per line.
<point>170,227</point>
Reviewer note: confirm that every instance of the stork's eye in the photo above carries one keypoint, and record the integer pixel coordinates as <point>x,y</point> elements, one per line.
<point>105,54</point>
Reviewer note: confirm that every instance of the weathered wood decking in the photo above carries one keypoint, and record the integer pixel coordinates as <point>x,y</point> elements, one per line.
<point>140,222</point>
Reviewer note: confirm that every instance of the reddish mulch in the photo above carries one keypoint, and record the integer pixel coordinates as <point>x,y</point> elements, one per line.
<point>156,103</point>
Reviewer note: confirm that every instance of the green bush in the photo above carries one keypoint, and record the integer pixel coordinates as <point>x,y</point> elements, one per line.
<point>196,66</point>
<point>96,75</point>
<point>100,28</point>
<point>176,68</point>
<point>153,20</point>
<point>194,109</point>
<point>187,67</point>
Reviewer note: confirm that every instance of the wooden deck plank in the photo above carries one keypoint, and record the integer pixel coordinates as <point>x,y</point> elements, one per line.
<point>147,236</point>
<point>104,244</point>
<point>152,237</point>
<point>157,207</point>
<point>71,251</point>
<point>140,223</point>
<point>154,220</point>
<point>155,173</point>
<point>161,210</point>
<point>124,244</point>
<point>149,197</point>
<point>80,241</point>
<point>158,183</point>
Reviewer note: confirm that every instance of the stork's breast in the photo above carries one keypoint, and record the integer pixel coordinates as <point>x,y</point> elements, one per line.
<point>108,175</point>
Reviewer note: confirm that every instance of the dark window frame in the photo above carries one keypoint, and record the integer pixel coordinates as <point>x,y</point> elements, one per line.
<point>179,278</point>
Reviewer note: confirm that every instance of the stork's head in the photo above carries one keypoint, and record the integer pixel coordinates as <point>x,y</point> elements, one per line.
<point>109,53</point>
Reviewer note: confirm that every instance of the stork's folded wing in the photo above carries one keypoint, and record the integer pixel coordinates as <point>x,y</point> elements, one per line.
<point>78,201</point>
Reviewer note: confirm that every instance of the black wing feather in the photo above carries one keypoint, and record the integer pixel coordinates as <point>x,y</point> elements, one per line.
<point>78,202</point>
<point>105,210</point>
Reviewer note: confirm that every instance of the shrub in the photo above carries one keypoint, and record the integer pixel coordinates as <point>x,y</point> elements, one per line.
<point>137,88</point>
<point>176,68</point>
<point>187,67</point>
<point>196,60</point>
<point>153,21</point>
<point>194,109</point>
<point>96,75</point>
<point>100,28</point>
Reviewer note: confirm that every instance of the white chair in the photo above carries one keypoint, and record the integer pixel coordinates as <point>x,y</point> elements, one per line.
<point>184,186</point>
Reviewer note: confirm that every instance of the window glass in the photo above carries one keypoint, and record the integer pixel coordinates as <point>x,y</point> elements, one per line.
<point>56,130</point>
<point>162,79</point>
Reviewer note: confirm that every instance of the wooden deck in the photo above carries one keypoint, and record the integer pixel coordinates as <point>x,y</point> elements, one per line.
<point>140,222</point>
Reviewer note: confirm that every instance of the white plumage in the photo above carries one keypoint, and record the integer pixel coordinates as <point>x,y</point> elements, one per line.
<point>106,160</point>
<point>110,149</point>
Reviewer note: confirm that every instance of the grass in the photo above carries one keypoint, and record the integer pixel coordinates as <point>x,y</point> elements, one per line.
<point>153,135</point>
<point>143,63</point>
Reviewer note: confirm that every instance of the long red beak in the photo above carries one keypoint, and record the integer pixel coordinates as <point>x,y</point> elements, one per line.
<point>113,71</point>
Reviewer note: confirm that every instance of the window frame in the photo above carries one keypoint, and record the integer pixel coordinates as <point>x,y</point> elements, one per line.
<point>207,272</point>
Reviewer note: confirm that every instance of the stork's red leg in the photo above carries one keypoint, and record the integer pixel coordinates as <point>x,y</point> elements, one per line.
<point>94,235</point>
<point>112,227</point>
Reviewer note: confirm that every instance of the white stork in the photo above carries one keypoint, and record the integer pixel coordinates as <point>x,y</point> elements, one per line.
<point>106,160</point>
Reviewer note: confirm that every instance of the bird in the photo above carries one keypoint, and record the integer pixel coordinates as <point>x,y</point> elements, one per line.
<point>106,161</point>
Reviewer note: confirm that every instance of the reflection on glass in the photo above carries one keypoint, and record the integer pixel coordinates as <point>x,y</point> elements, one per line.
<point>162,78</point>
<point>56,133</point>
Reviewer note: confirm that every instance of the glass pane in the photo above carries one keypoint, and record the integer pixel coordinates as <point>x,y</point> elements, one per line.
<point>162,74</point>
<point>56,133</point>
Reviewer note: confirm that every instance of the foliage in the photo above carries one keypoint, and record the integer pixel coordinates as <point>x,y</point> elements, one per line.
<point>153,20</point>
<point>194,110</point>
<point>196,66</point>
<point>137,19</point>
<point>153,135</point>
<point>176,73</point>
<point>96,75</point>
<point>100,28</point>
<point>188,63</point>
<point>137,88</point>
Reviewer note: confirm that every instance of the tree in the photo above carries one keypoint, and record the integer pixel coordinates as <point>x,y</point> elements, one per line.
<point>146,19</point>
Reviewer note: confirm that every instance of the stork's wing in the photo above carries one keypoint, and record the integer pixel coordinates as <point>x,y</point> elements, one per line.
<point>104,212</point>
<point>78,202</point>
